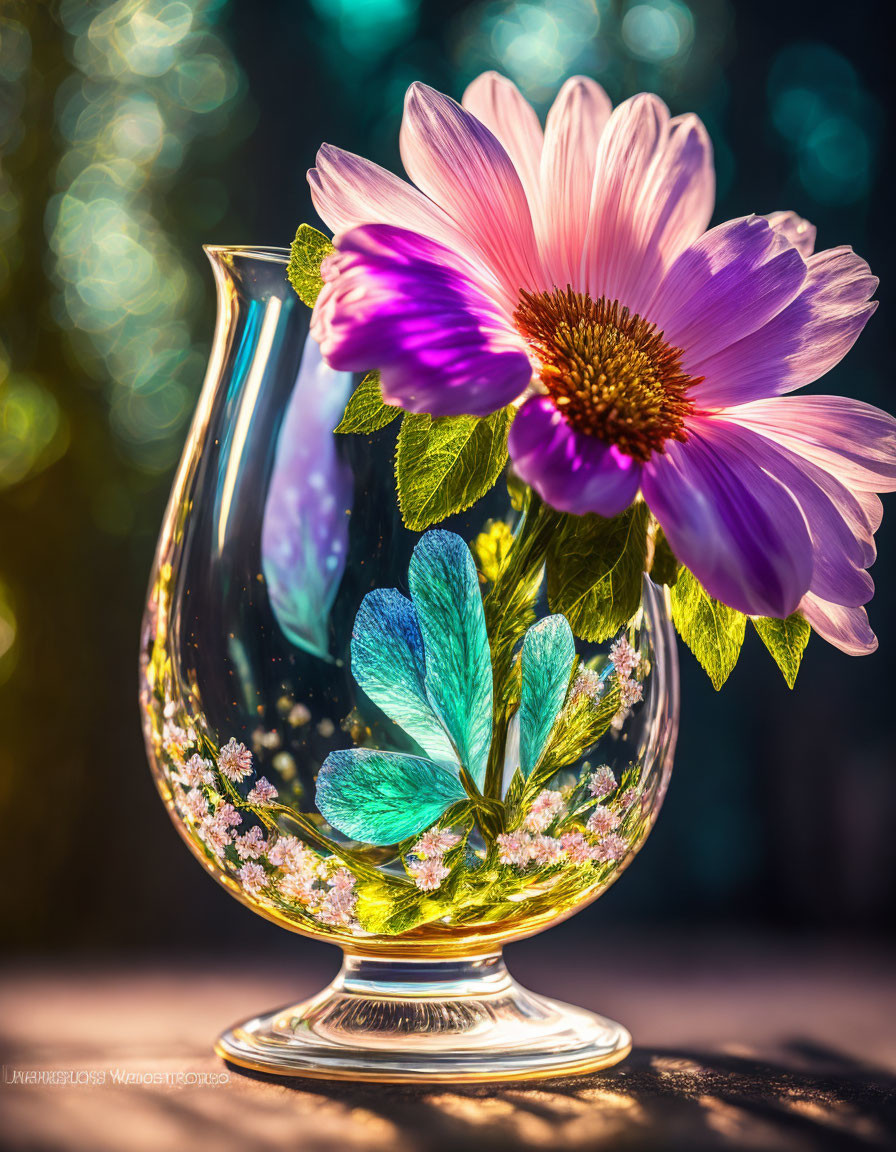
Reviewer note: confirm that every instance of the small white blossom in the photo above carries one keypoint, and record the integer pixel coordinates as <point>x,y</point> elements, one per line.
<point>252,877</point>
<point>251,844</point>
<point>588,683</point>
<point>197,771</point>
<point>263,793</point>
<point>612,847</point>
<point>227,815</point>
<point>235,760</point>
<point>623,658</point>
<point>514,848</point>
<point>546,807</point>
<point>429,873</point>
<point>602,820</point>
<point>196,804</point>
<point>338,908</point>
<point>545,850</point>
<point>342,880</point>
<point>215,834</point>
<point>630,692</point>
<point>577,847</point>
<point>435,843</point>
<point>602,782</point>
<point>300,887</point>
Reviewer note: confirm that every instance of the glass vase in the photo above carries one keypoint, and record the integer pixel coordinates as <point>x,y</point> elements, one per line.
<point>380,737</point>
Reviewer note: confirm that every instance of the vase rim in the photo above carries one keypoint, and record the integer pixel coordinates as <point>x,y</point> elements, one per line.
<point>268,252</point>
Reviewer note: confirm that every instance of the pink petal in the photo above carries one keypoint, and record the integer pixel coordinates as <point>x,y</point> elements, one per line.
<point>805,340</point>
<point>497,103</point>
<point>348,191</point>
<point>846,628</point>
<point>653,195</point>
<point>853,441</point>
<point>731,282</point>
<point>798,231</point>
<point>737,529</point>
<point>570,471</point>
<point>574,126</point>
<point>459,164</point>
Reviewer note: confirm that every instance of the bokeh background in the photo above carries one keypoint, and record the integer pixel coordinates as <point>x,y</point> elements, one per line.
<point>132,132</point>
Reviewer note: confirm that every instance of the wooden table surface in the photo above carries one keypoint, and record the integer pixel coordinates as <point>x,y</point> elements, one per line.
<point>745,1045</point>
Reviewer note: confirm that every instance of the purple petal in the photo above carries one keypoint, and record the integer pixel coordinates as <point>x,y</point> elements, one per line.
<point>833,515</point>
<point>846,628</point>
<point>569,470</point>
<point>733,280</point>
<point>805,340</point>
<point>798,231</point>
<point>402,303</point>
<point>736,528</point>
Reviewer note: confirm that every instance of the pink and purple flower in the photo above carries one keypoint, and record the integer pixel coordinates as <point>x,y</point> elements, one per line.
<point>569,271</point>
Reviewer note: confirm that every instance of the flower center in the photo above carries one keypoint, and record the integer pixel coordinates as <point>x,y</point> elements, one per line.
<point>610,373</point>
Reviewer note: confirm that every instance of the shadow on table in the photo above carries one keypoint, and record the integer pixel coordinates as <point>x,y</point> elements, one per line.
<point>814,1098</point>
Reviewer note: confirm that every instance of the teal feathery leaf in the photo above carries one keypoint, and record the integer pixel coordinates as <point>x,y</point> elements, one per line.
<point>547,659</point>
<point>389,665</point>
<point>384,797</point>
<point>445,590</point>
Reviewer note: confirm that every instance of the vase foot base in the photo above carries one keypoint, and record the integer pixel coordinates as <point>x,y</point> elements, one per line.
<point>426,1022</point>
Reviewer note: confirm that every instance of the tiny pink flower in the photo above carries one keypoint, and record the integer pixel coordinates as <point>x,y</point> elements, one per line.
<point>196,804</point>
<point>623,657</point>
<point>588,683</point>
<point>300,887</point>
<point>514,848</point>
<point>545,850</point>
<point>251,844</point>
<point>602,782</point>
<point>235,760</point>
<point>429,873</point>
<point>577,847</point>
<point>280,851</point>
<point>227,815</point>
<point>342,880</point>
<point>602,820</point>
<point>252,877</point>
<point>263,793</point>
<point>338,908</point>
<point>435,843</point>
<point>214,834</point>
<point>612,847</point>
<point>630,692</point>
<point>197,771</point>
<point>545,808</point>
<point>629,796</point>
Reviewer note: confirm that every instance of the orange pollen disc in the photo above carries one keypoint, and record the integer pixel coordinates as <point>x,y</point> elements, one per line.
<point>610,373</point>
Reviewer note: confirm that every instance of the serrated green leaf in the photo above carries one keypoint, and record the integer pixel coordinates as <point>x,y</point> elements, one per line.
<point>594,571</point>
<point>366,411</point>
<point>713,631</point>
<point>786,640</point>
<point>306,254</point>
<point>665,566</point>
<point>579,728</point>
<point>444,466</point>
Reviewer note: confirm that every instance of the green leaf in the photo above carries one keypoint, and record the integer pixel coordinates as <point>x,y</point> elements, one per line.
<point>786,640</point>
<point>365,411</point>
<point>665,567</point>
<point>444,466</point>
<point>713,631</point>
<point>594,571</point>
<point>306,255</point>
